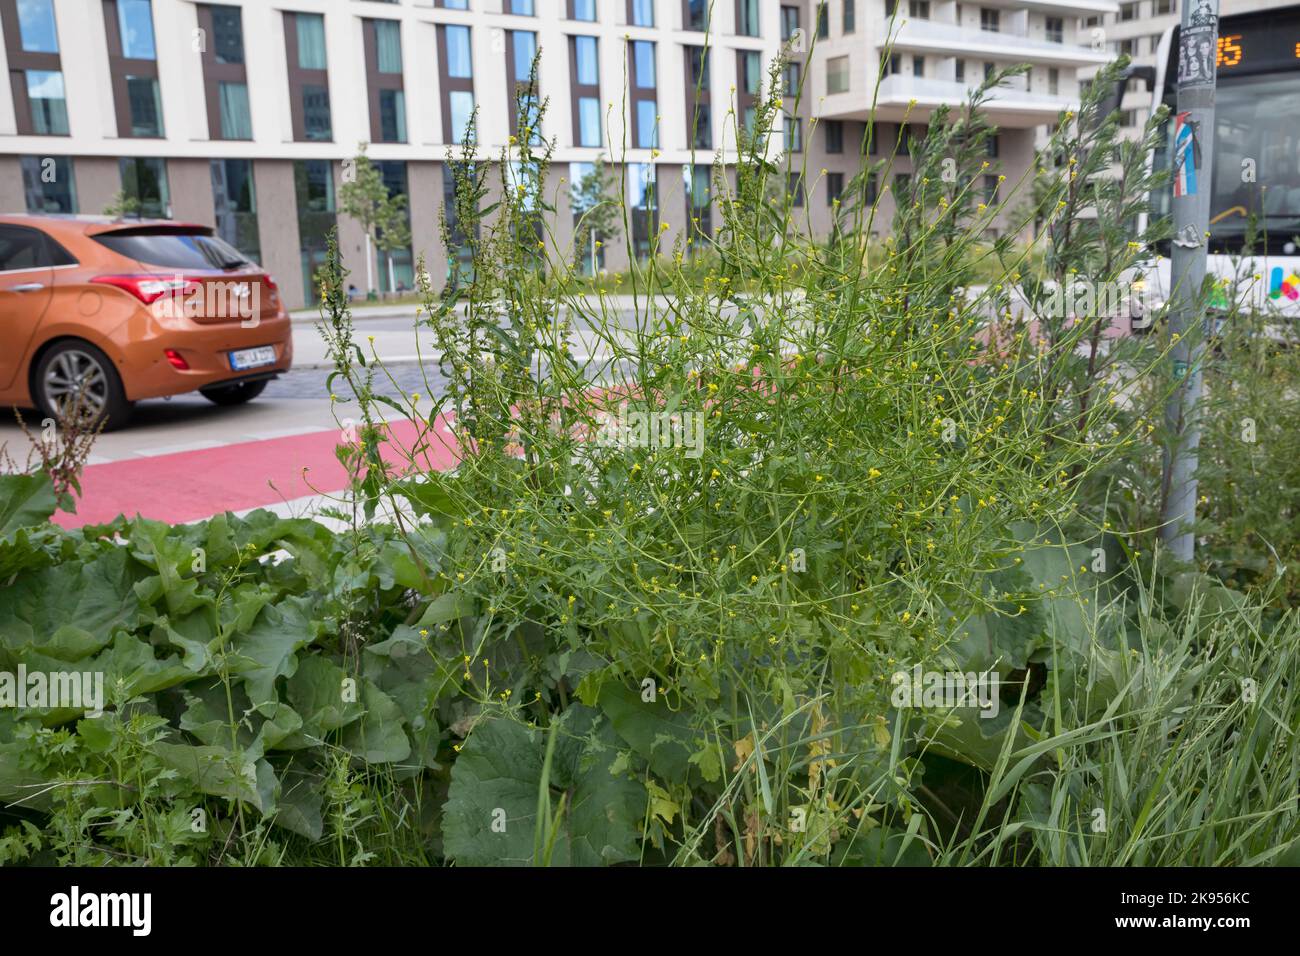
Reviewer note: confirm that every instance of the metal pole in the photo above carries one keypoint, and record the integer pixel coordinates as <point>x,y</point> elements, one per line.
<point>1193,155</point>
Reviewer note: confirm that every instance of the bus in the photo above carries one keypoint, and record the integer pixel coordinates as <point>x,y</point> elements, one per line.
<point>1255,180</point>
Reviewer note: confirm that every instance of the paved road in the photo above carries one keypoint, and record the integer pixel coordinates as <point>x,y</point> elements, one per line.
<point>184,458</point>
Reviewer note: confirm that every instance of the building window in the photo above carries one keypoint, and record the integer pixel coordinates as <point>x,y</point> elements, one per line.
<point>873,189</point>
<point>747,24</point>
<point>699,201</point>
<point>695,15</point>
<point>823,21</point>
<point>48,102</point>
<point>641,13</point>
<point>918,66</point>
<point>1128,11</point>
<point>644,207</point>
<point>387,96</point>
<point>456,87</point>
<point>988,70</point>
<point>892,64</point>
<point>837,74</point>
<point>789,22</point>
<point>35,70</point>
<point>991,146</point>
<point>751,71</point>
<point>392,116</point>
<point>1127,46</point>
<point>990,189</point>
<point>645,106</point>
<point>834,188</point>
<point>794,185</point>
<point>224,77</point>
<point>647,124</point>
<point>1053,81</point>
<point>587,66</point>
<point>1055,28</point>
<point>145,102</point>
<point>462,110</point>
<point>584,10</point>
<point>396,272</point>
<point>790,79</point>
<point>793,134</point>
<point>236,121</point>
<point>227,35</point>
<point>459,62</point>
<point>749,68</point>
<point>588,121</point>
<point>388,46</point>
<point>135,26</point>
<point>834,135</point>
<point>643,57</point>
<point>234,203</point>
<point>49,184</point>
<point>36,30</point>
<point>959,70</point>
<point>145,181</point>
<point>311,41</point>
<point>699,99</point>
<point>522,48</point>
<point>314,191</point>
<point>990,20</point>
<point>586,90</point>
<point>133,68</point>
<point>521,8</point>
<point>309,96</point>
<point>1160,7</point>
<point>459,4</point>
<point>583,197</point>
<point>918,9</point>
<point>848,16</point>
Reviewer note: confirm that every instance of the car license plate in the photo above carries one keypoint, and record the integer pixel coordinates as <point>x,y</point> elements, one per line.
<point>252,358</point>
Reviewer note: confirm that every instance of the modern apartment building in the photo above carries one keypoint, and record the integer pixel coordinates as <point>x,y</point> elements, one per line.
<point>241,114</point>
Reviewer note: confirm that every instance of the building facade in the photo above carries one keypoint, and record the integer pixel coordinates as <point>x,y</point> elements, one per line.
<point>242,114</point>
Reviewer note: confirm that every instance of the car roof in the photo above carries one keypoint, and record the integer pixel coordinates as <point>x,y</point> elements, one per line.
<point>95,225</point>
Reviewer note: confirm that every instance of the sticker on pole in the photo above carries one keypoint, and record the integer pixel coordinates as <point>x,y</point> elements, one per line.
<point>1187,154</point>
<point>1198,47</point>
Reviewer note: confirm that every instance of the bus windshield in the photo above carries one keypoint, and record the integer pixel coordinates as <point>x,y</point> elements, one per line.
<point>1255,179</point>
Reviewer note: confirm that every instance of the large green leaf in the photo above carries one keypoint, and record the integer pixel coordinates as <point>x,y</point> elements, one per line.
<point>269,650</point>
<point>26,501</point>
<point>490,818</point>
<point>70,611</point>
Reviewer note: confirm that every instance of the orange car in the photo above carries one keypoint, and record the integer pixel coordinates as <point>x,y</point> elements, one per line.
<point>97,313</point>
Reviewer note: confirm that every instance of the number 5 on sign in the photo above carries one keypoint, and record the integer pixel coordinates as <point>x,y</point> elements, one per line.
<point>1229,50</point>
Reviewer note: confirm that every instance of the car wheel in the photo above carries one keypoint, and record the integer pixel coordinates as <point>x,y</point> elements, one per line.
<point>235,394</point>
<point>75,377</point>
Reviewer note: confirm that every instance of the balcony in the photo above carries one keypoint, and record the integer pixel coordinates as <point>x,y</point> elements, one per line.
<point>948,39</point>
<point>1011,106</point>
<point>1077,8</point>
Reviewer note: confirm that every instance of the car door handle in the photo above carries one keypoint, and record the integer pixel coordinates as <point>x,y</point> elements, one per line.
<point>27,287</point>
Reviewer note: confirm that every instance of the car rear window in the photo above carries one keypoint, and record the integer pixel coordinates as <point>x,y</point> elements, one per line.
<point>176,249</point>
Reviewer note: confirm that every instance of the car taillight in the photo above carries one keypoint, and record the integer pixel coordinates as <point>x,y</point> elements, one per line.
<point>176,359</point>
<point>150,288</point>
<point>272,288</point>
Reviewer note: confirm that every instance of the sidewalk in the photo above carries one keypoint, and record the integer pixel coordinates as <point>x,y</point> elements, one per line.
<point>363,312</point>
